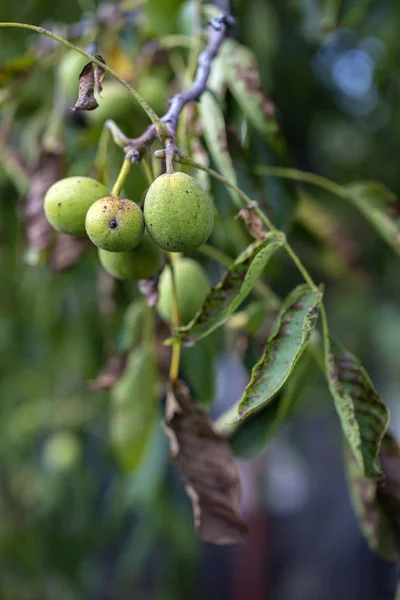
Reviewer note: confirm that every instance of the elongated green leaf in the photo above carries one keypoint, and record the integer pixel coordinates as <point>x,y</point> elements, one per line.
<point>134,407</point>
<point>229,293</point>
<point>380,206</point>
<point>377,503</point>
<point>242,76</point>
<point>252,435</point>
<point>291,333</point>
<point>363,415</point>
<point>215,134</point>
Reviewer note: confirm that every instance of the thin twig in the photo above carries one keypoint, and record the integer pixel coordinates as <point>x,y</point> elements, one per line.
<point>219,26</point>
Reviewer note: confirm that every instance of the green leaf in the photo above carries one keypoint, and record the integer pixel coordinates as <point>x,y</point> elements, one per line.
<point>252,435</point>
<point>380,206</point>
<point>215,135</point>
<point>362,413</point>
<point>229,293</point>
<point>377,503</point>
<point>134,407</point>
<point>291,333</point>
<point>243,79</point>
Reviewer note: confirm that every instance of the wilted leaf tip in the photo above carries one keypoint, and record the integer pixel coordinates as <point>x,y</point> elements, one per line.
<point>207,467</point>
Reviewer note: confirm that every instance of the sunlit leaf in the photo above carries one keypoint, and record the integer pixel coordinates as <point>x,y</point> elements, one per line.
<point>363,415</point>
<point>377,503</point>
<point>291,333</point>
<point>215,134</point>
<point>134,407</point>
<point>229,293</point>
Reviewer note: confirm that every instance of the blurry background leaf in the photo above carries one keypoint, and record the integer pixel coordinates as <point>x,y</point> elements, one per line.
<point>243,78</point>
<point>380,206</point>
<point>134,408</point>
<point>213,122</point>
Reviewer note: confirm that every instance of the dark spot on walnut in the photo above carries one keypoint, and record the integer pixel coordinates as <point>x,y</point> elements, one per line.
<point>113,224</point>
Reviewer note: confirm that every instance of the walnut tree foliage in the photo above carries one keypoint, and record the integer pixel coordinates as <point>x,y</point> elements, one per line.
<point>101,387</point>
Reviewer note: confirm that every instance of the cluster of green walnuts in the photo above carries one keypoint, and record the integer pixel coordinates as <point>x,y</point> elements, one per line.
<point>177,216</point>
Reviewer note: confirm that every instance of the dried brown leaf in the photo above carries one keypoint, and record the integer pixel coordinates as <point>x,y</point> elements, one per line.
<point>67,251</point>
<point>38,231</point>
<point>89,79</point>
<point>111,373</point>
<point>207,467</point>
<point>253,222</point>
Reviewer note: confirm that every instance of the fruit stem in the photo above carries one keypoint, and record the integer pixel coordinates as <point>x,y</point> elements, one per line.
<point>176,348</point>
<point>126,165</point>
<point>170,150</point>
<point>148,169</point>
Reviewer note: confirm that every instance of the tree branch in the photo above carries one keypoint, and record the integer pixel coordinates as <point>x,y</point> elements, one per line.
<point>135,148</point>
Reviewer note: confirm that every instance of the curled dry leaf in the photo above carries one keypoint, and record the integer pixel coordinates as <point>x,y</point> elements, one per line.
<point>67,251</point>
<point>38,231</point>
<point>89,79</point>
<point>207,467</point>
<point>112,372</point>
<point>253,222</point>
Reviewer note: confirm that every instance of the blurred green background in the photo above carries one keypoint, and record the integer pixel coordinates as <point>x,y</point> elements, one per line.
<point>74,524</point>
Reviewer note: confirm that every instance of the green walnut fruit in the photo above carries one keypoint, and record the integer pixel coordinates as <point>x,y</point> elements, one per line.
<point>115,224</point>
<point>140,263</point>
<point>68,200</point>
<point>178,213</point>
<point>115,102</point>
<point>192,286</point>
